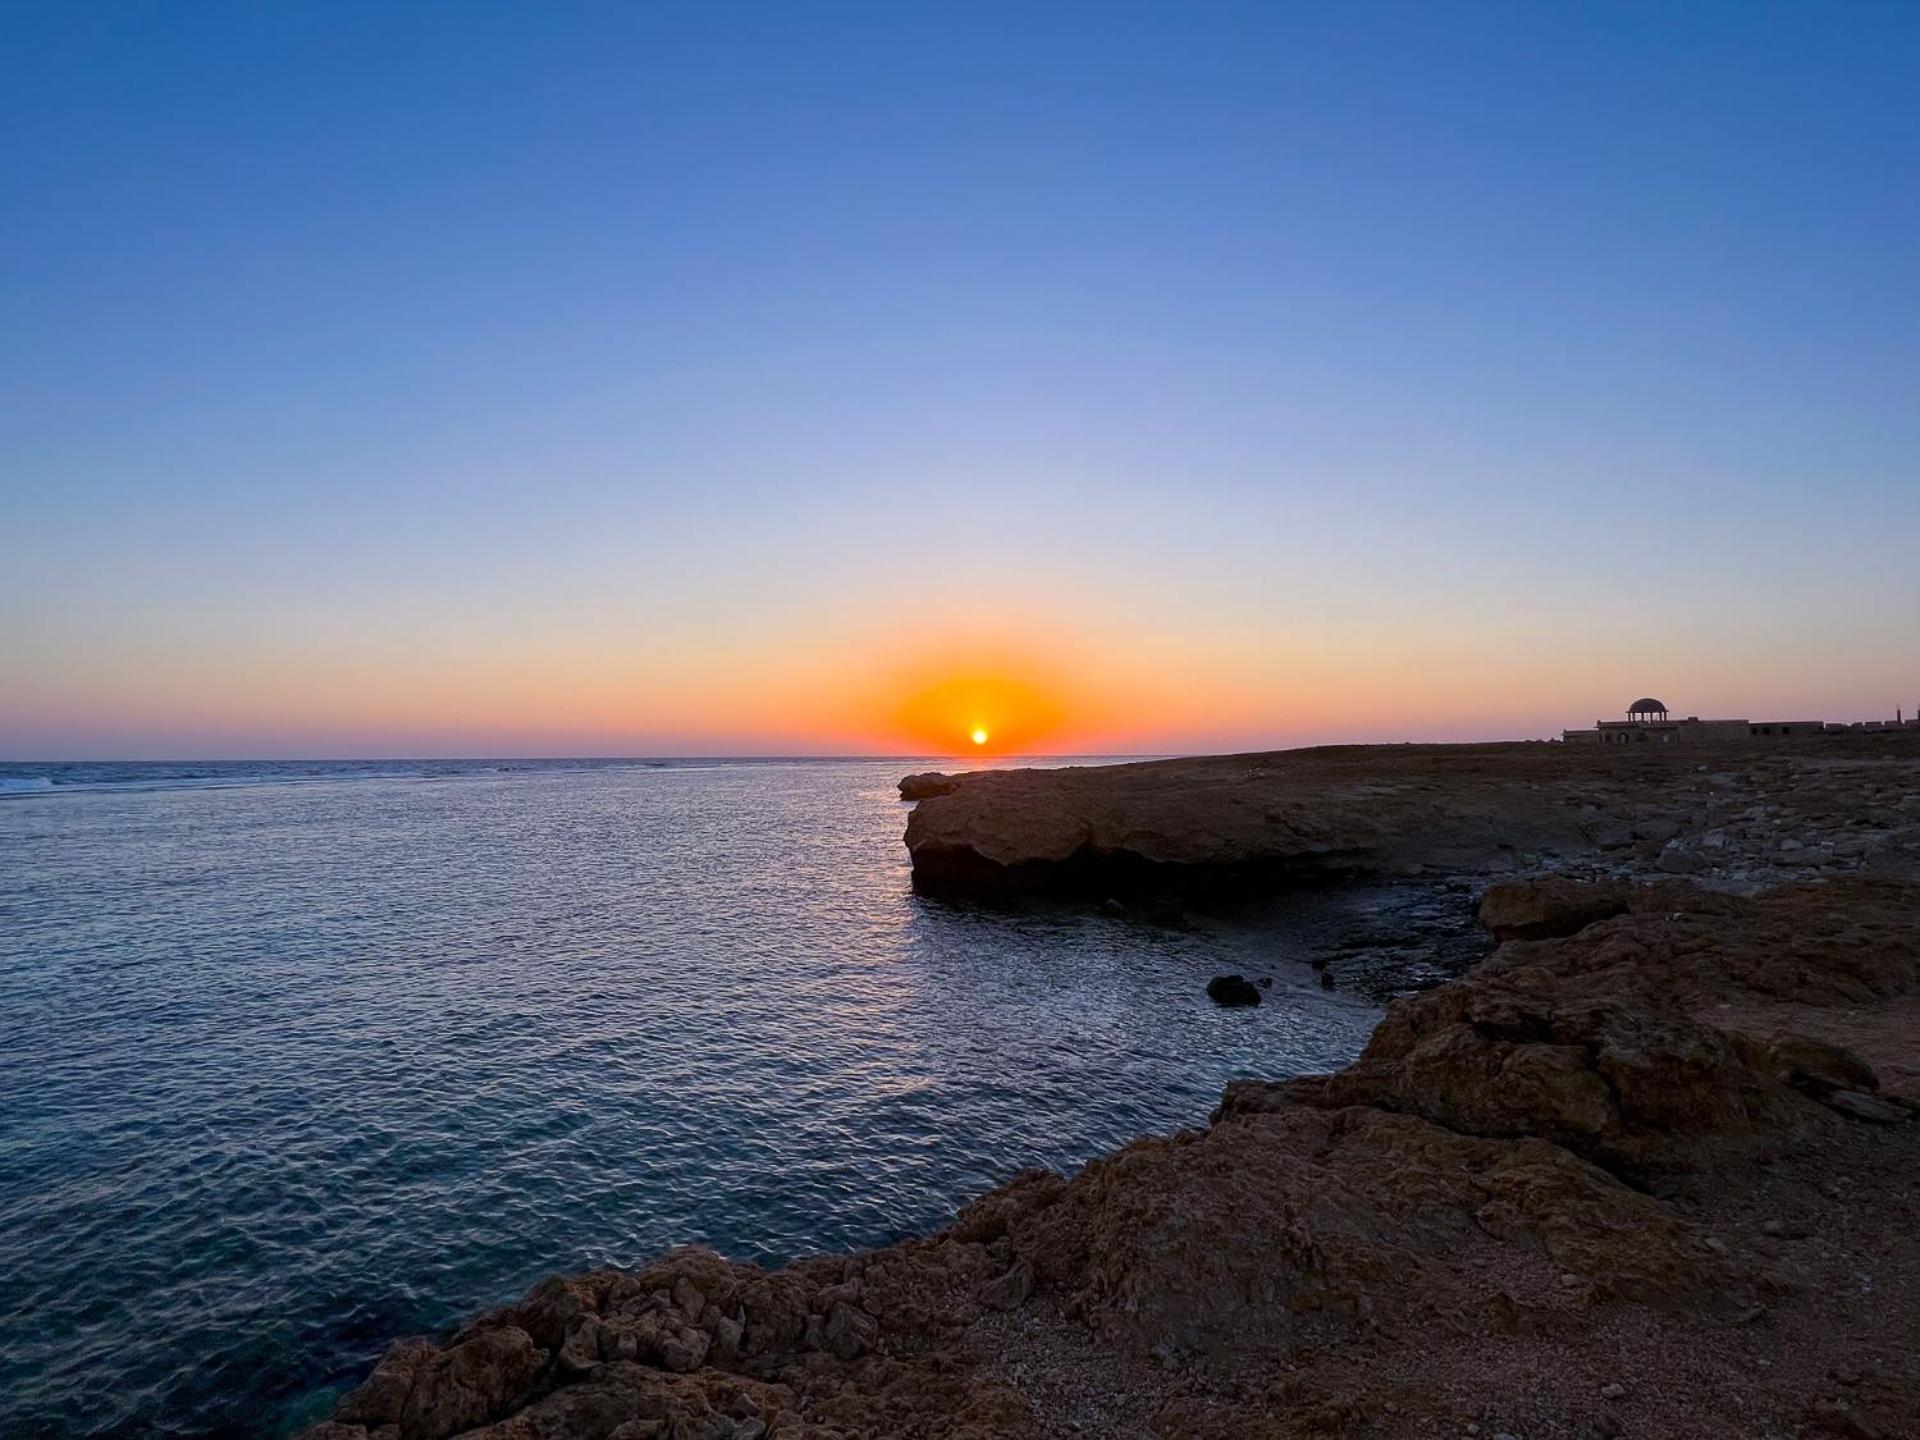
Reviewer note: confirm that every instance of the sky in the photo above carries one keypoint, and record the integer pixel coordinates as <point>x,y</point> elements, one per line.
<point>478,379</point>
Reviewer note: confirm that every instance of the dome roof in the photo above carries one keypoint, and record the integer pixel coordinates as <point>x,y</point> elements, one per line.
<point>1646,706</point>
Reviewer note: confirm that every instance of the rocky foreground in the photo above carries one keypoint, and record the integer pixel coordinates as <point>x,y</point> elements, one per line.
<point>1649,1170</point>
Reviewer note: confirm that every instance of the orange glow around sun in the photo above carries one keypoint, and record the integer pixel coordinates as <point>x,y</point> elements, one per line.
<point>980,711</point>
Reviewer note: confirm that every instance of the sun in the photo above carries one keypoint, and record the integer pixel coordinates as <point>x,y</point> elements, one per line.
<point>979,736</point>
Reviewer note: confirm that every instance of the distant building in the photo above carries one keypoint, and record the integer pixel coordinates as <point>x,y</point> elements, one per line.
<point>1648,722</point>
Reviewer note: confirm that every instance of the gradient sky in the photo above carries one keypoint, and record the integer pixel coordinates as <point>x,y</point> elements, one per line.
<point>730,378</point>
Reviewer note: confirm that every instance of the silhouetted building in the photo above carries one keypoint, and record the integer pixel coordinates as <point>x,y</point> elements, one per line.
<point>1648,722</point>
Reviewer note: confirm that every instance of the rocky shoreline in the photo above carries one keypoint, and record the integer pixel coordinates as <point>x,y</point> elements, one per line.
<point>1650,1168</point>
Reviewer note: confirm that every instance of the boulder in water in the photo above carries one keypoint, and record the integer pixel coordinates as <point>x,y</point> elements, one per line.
<point>1233,990</point>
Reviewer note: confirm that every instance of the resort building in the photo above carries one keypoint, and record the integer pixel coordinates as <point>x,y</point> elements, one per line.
<point>1648,722</point>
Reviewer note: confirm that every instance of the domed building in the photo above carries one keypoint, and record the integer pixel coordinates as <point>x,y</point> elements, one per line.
<point>1648,722</point>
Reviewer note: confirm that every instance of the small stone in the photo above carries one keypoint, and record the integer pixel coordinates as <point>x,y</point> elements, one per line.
<point>1569,1279</point>
<point>1612,1390</point>
<point>1783,1229</point>
<point>1715,1244</point>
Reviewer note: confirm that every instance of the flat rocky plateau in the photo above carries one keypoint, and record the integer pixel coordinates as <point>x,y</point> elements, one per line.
<point>1648,1169</point>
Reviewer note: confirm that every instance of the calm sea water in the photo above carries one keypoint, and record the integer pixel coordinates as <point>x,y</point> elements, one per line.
<point>298,1059</point>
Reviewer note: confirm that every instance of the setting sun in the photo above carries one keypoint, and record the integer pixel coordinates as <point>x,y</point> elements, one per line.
<point>979,736</point>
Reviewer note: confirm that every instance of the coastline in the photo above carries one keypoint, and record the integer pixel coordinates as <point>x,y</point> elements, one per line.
<point>1621,1177</point>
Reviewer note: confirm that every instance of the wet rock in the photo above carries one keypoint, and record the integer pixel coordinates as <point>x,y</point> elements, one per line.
<point>1232,990</point>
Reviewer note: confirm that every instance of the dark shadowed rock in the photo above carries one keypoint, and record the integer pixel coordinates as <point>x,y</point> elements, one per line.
<point>1819,1066</point>
<point>1232,990</point>
<point>1544,909</point>
<point>926,785</point>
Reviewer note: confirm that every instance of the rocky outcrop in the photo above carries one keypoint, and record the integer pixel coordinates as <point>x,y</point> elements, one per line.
<point>926,785</point>
<point>1645,1169</point>
<point>1569,1156</point>
<point>1738,817</point>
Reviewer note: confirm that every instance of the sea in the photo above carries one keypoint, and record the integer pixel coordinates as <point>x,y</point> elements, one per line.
<point>300,1058</point>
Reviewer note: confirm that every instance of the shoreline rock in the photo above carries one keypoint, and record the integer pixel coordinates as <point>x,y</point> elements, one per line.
<point>1629,1174</point>
<point>1238,824</point>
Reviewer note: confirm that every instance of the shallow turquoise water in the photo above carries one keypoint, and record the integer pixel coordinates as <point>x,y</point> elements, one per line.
<point>295,1062</point>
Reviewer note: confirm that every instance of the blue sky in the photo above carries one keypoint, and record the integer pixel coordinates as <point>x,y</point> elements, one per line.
<point>589,378</point>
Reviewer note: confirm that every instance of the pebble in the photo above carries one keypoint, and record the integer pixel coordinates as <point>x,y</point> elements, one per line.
<point>1612,1390</point>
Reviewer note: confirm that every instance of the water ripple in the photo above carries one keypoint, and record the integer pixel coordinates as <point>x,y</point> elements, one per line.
<point>292,1069</point>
